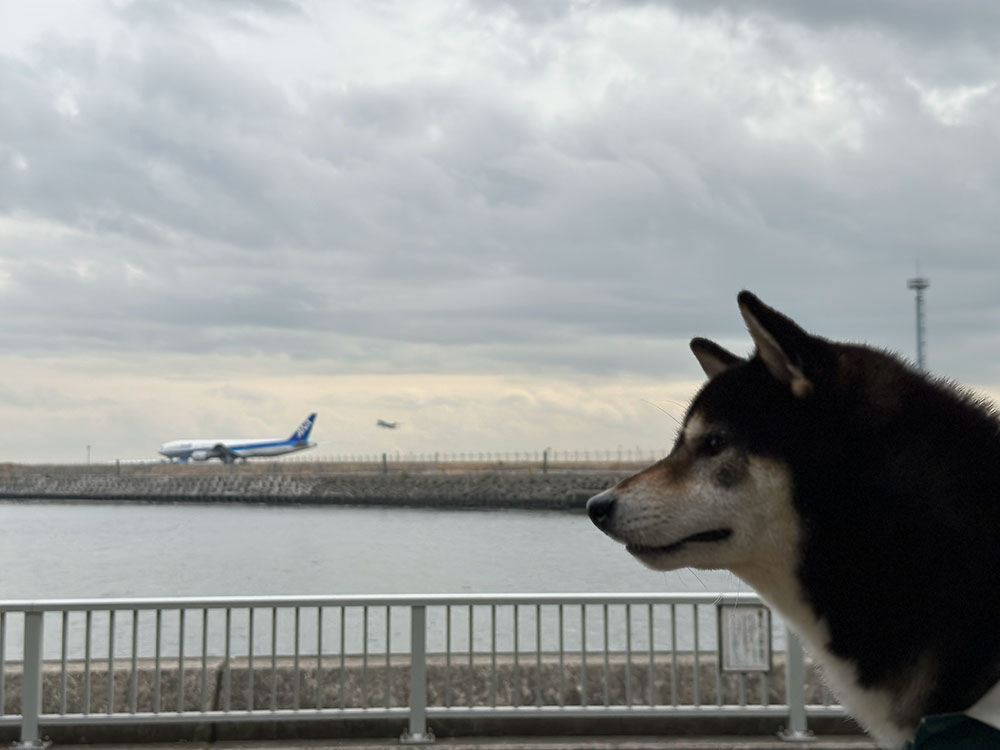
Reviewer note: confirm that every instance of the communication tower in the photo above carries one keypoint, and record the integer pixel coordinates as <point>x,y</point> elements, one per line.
<point>918,284</point>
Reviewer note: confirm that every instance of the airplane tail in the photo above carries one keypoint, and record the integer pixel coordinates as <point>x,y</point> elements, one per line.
<point>303,430</point>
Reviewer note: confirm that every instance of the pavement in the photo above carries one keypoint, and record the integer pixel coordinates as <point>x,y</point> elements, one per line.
<point>825,742</point>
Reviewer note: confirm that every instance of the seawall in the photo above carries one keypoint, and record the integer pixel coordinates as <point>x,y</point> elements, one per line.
<point>524,488</point>
<point>355,685</point>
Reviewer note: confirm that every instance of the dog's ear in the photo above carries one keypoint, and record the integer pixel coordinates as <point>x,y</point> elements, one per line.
<point>712,357</point>
<point>781,344</point>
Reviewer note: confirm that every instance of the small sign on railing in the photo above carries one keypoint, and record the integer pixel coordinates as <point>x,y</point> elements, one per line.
<point>744,637</point>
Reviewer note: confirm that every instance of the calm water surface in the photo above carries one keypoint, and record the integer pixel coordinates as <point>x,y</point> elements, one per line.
<point>55,550</point>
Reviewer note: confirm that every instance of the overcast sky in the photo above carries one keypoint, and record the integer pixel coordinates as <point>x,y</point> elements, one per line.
<point>496,222</point>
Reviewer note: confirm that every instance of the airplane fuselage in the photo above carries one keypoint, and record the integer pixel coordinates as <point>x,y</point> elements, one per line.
<point>202,450</point>
<point>228,450</point>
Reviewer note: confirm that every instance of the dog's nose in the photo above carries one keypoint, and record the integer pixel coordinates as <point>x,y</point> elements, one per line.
<point>601,507</point>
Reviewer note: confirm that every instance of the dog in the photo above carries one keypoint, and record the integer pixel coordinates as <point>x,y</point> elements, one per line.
<point>859,497</point>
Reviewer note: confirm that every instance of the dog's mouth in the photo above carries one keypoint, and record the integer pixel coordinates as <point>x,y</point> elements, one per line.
<point>715,535</point>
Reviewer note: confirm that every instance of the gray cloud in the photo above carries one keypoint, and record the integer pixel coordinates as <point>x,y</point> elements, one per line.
<point>534,213</point>
<point>925,19</point>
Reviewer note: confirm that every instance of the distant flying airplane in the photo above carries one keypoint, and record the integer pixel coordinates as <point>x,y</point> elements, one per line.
<point>228,450</point>
<point>387,425</point>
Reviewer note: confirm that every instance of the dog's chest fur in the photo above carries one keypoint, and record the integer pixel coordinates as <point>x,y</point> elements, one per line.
<point>884,712</point>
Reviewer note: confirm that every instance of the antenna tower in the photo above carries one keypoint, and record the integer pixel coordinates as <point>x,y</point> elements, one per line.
<point>918,284</point>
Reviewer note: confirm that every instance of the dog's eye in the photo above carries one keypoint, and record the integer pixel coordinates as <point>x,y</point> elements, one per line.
<point>713,444</point>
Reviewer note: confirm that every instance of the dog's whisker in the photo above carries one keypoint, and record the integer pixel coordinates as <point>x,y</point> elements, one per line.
<point>684,407</point>
<point>739,589</point>
<point>669,414</point>
<point>699,578</point>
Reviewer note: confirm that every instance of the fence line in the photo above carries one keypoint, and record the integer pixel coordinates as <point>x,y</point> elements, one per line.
<point>215,660</point>
<point>548,456</point>
<point>602,456</point>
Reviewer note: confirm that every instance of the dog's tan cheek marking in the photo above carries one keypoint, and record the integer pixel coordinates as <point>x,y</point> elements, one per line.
<point>666,475</point>
<point>771,529</point>
<point>694,429</point>
<point>677,468</point>
<point>625,485</point>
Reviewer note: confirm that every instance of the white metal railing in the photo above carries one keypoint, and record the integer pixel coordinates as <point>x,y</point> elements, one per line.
<point>410,657</point>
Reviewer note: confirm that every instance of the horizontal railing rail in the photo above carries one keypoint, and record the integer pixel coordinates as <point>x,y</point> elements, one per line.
<point>76,662</point>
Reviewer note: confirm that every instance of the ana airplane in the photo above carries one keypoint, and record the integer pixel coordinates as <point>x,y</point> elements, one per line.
<point>228,450</point>
<point>387,425</point>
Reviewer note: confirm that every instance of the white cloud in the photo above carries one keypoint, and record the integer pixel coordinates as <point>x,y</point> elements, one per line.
<point>66,105</point>
<point>952,105</point>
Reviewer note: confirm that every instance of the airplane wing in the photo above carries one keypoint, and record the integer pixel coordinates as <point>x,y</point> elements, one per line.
<point>224,454</point>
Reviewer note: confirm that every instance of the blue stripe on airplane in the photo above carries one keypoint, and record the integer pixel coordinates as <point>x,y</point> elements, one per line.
<point>256,446</point>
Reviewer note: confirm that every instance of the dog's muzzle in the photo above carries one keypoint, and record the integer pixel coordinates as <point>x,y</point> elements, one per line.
<point>601,508</point>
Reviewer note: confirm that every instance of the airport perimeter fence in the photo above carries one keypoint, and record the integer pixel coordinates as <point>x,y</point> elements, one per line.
<point>395,461</point>
<point>533,461</point>
<point>70,665</point>
<point>547,456</point>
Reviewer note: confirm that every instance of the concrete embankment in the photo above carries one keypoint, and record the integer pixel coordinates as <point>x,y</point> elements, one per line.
<point>358,685</point>
<point>532,489</point>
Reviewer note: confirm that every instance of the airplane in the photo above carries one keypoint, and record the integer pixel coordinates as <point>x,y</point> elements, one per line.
<point>228,450</point>
<point>387,425</point>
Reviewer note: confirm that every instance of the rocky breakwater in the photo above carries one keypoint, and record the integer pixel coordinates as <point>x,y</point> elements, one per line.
<point>677,684</point>
<point>553,490</point>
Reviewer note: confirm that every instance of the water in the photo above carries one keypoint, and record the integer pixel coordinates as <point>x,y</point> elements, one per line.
<point>90,550</point>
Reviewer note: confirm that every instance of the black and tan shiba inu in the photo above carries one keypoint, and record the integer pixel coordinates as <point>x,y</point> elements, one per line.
<point>860,498</point>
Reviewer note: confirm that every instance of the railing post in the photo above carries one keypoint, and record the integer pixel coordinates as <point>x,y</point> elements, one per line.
<point>795,691</point>
<point>418,734</point>
<point>31,681</point>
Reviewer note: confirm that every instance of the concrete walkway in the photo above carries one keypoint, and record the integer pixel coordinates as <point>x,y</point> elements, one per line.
<point>522,743</point>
